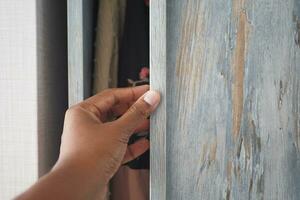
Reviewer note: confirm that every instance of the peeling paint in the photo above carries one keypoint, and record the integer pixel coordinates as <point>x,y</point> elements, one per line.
<point>213,151</point>
<point>280,95</point>
<point>203,160</point>
<point>228,171</point>
<point>237,171</point>
<point>297,31</point>
<point>238,64</point>
<point>228,194</point>
<point>207,157</point>
<point>238,153</point>
<point>203,154</point>
<point>260,186</point>
<point>256,138</point>
<point>250,187</point>
<point>247,147</point>
<point>188,69</point>
<point>282,91</point>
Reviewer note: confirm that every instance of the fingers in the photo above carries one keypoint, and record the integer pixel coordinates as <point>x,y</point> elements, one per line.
<point>104,101</point>
<point>144,126</point>
<point>120,109</point>
<point>137,113</point>
<point>135,150</point>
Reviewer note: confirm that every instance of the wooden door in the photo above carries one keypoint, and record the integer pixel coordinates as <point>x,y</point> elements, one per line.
<point>228,126</point>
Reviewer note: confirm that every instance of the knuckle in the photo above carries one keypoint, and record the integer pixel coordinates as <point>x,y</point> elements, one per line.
<point>123,138</point>
<point>73,110</point>
<point>90,107</point>
<point>139,110</point>
<point>106,91</point>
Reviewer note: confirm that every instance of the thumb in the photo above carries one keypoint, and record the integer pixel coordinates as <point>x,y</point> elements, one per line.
<point>138,112</point>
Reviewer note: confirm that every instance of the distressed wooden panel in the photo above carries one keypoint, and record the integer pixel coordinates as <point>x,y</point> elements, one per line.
<point>81,15</point>
<point>229,123</point>
<point>158,81</point>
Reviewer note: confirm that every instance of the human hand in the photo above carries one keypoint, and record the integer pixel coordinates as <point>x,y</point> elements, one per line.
<point>92,142</point>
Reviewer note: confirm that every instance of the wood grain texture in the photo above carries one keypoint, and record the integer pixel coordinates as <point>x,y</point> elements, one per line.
<point>158,82</point>
<point>80,48</point>
<point>229,74</point>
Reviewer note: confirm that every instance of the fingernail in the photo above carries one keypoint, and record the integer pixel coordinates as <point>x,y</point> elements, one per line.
<point>152,98</point>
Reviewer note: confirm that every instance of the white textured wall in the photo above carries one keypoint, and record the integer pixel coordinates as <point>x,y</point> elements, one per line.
<point>33,90</point>
<point>18,96</point>
<point>52,79</point>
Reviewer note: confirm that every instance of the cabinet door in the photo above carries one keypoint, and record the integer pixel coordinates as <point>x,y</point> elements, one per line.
<point>228,126</point>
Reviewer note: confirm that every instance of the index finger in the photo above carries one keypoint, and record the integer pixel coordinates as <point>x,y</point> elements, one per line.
<point>105,100</point>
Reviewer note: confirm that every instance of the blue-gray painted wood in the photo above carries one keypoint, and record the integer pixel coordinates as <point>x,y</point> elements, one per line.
<point>158,82</point>
<point>229,123</point>
<point>81,19</point>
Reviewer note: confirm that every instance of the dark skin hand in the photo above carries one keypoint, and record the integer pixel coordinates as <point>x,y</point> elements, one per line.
<point>93,147</point>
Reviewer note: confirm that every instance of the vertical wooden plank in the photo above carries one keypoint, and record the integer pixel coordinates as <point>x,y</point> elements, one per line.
<point>75,51</point>
<point>80,47</point>
<point>158,82</point>
<point>232,95</point>
<point>18,97</point>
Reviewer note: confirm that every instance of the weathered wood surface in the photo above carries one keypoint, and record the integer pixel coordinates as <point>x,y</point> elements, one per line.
<point>158,81</point>
<point>229,123</point>
<point>80,47</point>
